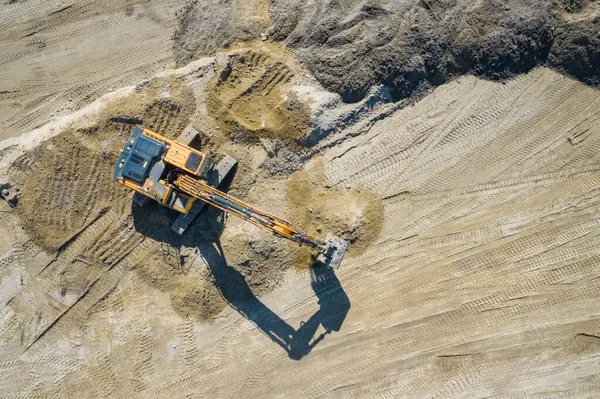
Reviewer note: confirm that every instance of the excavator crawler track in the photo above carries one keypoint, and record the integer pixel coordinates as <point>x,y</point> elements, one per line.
<point>215,178</point>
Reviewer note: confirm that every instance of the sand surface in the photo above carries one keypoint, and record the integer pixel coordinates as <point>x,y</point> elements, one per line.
<point>473,212</point>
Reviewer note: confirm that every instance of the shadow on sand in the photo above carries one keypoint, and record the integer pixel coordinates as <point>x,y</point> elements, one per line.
<point>333,304</point>
<point>204,235</point>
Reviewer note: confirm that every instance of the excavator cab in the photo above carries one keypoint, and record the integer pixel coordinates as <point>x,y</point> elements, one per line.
<point>142,167</point>
<point>138,157</point>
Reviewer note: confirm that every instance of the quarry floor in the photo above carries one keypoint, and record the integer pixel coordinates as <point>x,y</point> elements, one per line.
<point>475,211</point>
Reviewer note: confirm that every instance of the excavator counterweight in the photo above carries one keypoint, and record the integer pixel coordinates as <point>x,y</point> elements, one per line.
<point>184,179</point>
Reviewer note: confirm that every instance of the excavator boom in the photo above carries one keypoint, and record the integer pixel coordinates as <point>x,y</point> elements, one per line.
<point>331,251</point>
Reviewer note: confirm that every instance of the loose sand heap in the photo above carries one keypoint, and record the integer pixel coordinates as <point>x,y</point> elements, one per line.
<point>76,166</point>
<point>251,94</point>
<point>354,214</point>
<point>471,206</point>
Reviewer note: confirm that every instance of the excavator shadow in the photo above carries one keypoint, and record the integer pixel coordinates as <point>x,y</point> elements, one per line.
<point>333,304</point>
<point>153,222</point>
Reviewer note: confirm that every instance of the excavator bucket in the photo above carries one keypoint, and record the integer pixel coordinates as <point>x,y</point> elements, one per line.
<point>335,248</point>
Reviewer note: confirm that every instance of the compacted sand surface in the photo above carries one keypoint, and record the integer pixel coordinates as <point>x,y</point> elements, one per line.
<point>472,207</point>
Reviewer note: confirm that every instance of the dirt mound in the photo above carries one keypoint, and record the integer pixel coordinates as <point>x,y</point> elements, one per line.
<point>249,97</point>
<point>67,181</point>
<point>354,214</point>
<point>409,46</point>
<point>354,45</point>
<point>576,49</point>
<point>208,25</point>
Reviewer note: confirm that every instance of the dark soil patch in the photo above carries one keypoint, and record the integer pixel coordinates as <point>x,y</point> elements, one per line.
<point>351,45</point>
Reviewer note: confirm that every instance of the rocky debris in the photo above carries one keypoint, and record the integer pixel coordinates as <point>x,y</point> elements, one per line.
<point>329,114</point>
<point>142,84</point>
<point>271,146</point>
<point>572,6</point>
<point>208,25</point>
<point>283,159</point>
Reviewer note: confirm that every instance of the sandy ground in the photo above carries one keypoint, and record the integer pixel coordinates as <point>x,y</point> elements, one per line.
<point>475,267</point>
<point>59,56</point>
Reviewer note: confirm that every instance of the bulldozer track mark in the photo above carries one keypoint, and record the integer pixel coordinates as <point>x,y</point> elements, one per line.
<point>255,59</point>
<point>164,113</point>
<point>503,185</point>
<point>581,101</point>
<point>268,78</point>
<point>77,312</point>
<point>493,109</point>
<point>578,137</point>
<point>384,162</point>
<point>57,319</point>
<point>388,151</point>
<point>44,19</point>
<point>269,361</point>
<point>103,283</point>
<point>216,360</point>
<point>10,327</point>
<point>143,370</point>
<point>279,74</point>
<point>188,339</point>
<point>588,245</point>
<point>81,231</point>
<point>103,376</point>
<point>551,96</point>
<point>51,39</point>
<point>92,194</point>
<point>506,142</point>
<point>464,109</point>
<point>584,129</point>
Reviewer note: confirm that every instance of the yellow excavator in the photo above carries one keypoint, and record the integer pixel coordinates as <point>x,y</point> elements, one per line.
<point>180,177</point>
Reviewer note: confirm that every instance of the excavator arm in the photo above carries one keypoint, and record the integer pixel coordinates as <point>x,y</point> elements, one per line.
<point>331,250</point>
<point>173,173</point>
